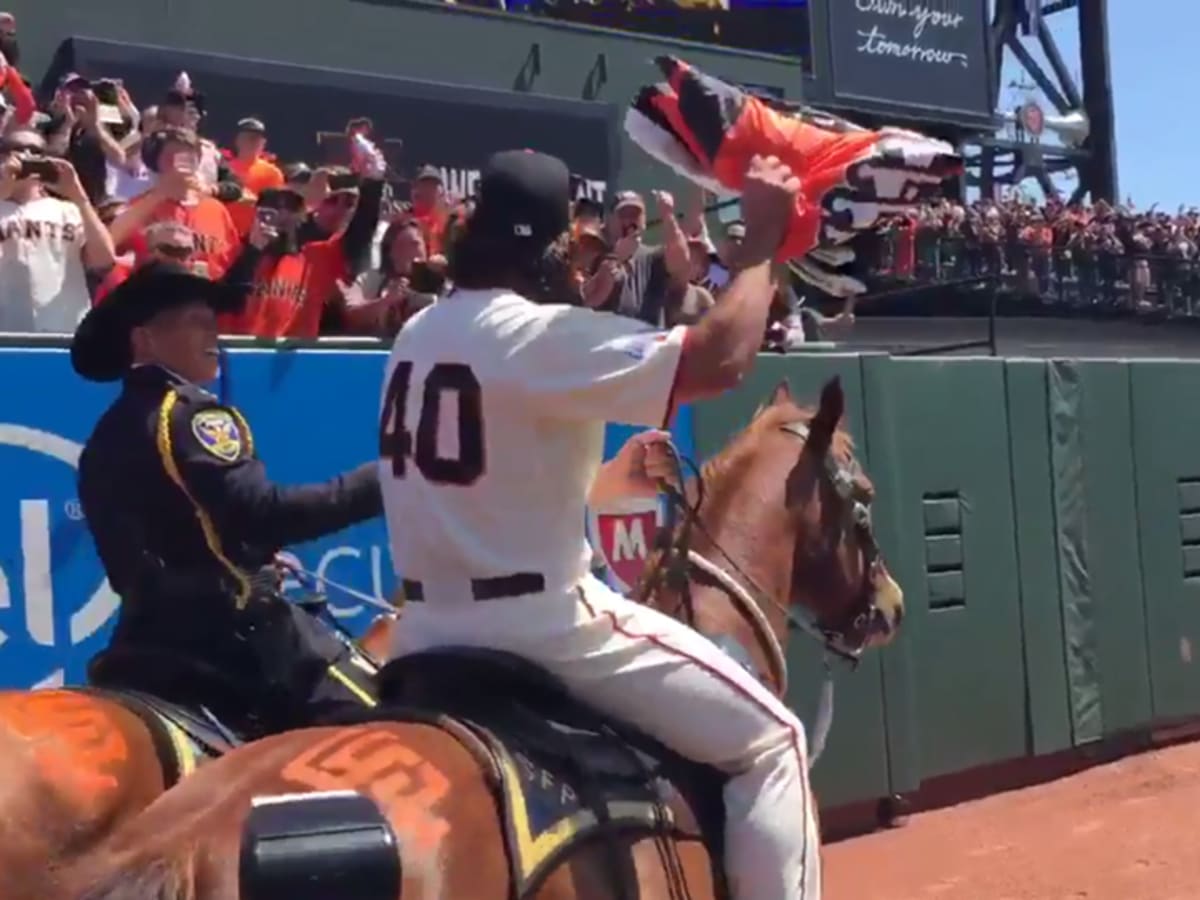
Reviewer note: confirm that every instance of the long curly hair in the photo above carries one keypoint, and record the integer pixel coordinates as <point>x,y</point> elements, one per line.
<point>542,274</point>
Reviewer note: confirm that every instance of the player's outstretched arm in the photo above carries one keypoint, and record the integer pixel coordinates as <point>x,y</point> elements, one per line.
<point>720,349</point>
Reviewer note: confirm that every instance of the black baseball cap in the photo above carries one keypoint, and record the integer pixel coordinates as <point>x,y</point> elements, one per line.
<point>524,197</point>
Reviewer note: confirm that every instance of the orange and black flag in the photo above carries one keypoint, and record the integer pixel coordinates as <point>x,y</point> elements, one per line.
<point>852,179</point>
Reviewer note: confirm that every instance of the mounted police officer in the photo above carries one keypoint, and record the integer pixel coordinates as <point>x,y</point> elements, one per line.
<point>187,523</point>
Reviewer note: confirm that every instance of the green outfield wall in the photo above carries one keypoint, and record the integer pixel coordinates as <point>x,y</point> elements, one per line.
<point>1043,518</point>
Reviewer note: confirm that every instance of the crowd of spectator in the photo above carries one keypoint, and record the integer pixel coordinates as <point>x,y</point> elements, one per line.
<point>1100,258</point>
<point>95,182</point>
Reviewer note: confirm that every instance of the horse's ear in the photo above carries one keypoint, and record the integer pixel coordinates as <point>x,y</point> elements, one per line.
<point>829,414</point>
<point>781,394</point>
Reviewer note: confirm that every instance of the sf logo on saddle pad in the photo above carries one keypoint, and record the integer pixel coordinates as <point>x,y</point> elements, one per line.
<point>218,433</point>
<point>624,534</point>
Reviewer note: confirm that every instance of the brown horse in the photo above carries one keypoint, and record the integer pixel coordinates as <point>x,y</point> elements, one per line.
<point>783,521</point>
<point>79,763</point>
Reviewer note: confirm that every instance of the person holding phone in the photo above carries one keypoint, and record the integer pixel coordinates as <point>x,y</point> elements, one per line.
<point>87,127</point>
<point>256,171</point>
<point>290,286</point>
<point>178,195</point>
<point>185,108</point>
<point>430,208</point>
<point>642,281</point>
<point>406,281</point>
<point>50,236</point>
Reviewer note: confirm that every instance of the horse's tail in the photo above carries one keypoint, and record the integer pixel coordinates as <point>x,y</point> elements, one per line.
<point>156,879</point>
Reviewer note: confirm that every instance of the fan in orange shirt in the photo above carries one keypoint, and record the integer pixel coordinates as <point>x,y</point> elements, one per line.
<point>289,284</point>
<point>253,169</point>
<point>178,196</point>
<point>429,207</point>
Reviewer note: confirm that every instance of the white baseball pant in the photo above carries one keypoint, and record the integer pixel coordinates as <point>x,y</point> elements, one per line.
<point>645,668</point>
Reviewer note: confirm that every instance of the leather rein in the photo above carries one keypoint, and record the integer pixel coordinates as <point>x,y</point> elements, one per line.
<point>679,564</point>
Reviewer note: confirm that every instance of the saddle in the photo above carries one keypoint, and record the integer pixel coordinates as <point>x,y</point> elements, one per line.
<point>562,772</point>
<point>185,704</point>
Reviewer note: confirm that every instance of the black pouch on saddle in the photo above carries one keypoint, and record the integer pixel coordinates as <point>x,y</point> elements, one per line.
<point>294,651</point>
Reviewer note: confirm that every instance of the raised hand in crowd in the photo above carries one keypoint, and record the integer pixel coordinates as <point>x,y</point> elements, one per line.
<point>366,159</point>
<point>99,253</point>
<point>10,170</point>
<point>61,108</point>
<point>66,181</point>
<point>665,201</point>
<point>317,188</point>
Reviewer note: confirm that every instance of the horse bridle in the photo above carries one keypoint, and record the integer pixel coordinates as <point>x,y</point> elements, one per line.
<point>677,559</point>
<point>844,479</point>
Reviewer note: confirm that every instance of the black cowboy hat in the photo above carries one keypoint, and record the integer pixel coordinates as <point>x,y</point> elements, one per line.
<point>100,350</point>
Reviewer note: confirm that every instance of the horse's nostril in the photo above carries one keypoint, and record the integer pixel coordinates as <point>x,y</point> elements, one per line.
<point>897,616</point>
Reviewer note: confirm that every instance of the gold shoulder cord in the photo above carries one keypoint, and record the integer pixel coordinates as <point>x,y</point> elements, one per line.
<point>211,539</point>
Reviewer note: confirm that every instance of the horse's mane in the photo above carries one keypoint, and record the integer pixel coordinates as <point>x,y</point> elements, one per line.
<point>767,419</point>
<point>161,878</point>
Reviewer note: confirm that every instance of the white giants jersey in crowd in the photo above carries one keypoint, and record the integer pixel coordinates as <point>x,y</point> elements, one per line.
<point>492,429</point>
<point>42,282</point>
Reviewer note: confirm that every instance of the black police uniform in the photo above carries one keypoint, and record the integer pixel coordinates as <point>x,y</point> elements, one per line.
<point>187,525</point>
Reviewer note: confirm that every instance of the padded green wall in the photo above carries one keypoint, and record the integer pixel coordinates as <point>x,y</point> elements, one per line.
<point>854,766</point>
<point>1043,518</point>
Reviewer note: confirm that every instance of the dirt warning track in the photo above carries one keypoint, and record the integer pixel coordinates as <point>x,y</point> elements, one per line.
<point>1127,830</point>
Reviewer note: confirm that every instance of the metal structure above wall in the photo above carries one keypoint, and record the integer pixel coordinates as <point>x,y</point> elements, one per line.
<point>1080,116</point>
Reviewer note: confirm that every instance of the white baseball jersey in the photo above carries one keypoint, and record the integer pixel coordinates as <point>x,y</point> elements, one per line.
<point>492,429</point>
<point>43,286</point>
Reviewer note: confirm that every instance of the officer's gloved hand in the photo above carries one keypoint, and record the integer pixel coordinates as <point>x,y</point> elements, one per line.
<point>266,583</point>
<point>313,604</point>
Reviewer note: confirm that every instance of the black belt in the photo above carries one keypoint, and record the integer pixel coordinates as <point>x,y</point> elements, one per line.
<point>487,588</point>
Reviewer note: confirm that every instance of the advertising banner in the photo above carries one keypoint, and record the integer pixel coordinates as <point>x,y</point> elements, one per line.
<point>932,56</point>
<point>313,413</point>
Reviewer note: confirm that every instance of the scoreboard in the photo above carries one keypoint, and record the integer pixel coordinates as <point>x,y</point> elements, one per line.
<point>776,27</point>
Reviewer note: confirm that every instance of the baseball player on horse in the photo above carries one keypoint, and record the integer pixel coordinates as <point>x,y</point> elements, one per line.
<point>492,428</point>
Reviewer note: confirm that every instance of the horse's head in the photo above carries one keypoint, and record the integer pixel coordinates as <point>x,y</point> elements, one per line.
<point>838,573</point>
<point>790,491</point>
